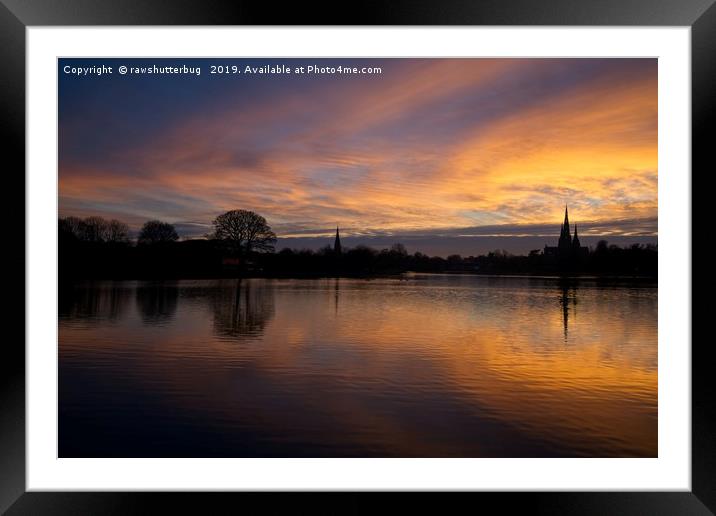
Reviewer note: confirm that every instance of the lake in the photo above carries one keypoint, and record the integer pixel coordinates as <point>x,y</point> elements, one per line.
<point>416,366</point>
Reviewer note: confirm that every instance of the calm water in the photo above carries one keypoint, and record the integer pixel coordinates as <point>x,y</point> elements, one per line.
<point>427,365</point>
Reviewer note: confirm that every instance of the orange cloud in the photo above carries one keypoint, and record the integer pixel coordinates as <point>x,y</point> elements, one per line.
<point>443,144</point>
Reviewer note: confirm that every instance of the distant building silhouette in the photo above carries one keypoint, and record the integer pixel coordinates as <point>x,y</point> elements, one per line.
<point>565,239</point>
<point>568,248</point>
<point>337,243</point>
<point>575,241</point>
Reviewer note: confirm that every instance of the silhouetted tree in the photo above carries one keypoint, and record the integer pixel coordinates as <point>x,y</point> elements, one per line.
<point>72,227</point>
<point>326,250</point>
<point>88,248</point>
<point>156,232</point>
<point>117,232</point>
<point>399,250</point>
<point>95,229</point>
<point>602,247</point>
<point>244,231</point>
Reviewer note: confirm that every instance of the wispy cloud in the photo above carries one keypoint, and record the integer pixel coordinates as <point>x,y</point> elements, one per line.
<point>430,147</point>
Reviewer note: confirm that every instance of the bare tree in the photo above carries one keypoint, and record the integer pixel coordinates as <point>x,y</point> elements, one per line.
<point>117,231</point>
<point>96,229</point>
<point>72,226</point>
<point>156,231</point>
<point>244,231</point>
<point>398,249</point>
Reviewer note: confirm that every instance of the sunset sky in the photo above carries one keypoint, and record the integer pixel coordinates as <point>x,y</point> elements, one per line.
<point>444,155</point>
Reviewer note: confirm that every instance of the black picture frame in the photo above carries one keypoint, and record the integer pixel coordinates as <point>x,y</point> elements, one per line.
<point>17,15</point>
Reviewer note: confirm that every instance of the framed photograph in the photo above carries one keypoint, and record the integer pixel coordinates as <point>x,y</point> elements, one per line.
<point>434,250</point>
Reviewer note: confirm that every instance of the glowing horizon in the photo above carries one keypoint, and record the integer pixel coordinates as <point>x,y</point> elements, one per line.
<point>430,147</point>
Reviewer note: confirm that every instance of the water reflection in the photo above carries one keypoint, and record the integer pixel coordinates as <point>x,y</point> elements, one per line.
<point>430,366</point>
<point>568,295</point>
<point>93,301</point>
<point>242,310</point>
<point>157,301</point>
<point>336,293</point>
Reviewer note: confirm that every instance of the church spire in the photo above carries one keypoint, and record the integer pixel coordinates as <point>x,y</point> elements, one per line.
<point>566,219</point>
<point>565,237</point>
<point>575,241</point>
<point>337,243</point>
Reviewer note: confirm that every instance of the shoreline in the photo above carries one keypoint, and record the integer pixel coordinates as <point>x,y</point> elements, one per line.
<point>368,276</point>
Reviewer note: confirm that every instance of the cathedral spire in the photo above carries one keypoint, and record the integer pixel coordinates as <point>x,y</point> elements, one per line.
<point>565,237</point>
<point>566,219</point>
<point>337,243</point>
<point>575,240</point>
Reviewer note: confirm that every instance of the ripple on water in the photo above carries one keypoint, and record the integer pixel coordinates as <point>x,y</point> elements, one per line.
<point>428,365</point>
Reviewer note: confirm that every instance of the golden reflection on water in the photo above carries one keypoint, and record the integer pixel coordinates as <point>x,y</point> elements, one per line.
<point>425,366</point>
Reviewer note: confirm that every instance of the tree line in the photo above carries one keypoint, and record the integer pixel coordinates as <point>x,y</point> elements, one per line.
<point>242,243</point>
<point>242,231</point>
<point>94,229</point>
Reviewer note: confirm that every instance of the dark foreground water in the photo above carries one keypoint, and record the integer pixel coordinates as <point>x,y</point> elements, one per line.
<point>425,366</point>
